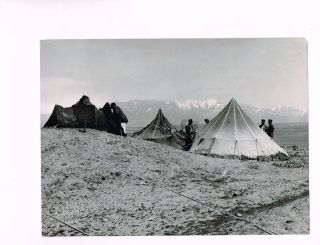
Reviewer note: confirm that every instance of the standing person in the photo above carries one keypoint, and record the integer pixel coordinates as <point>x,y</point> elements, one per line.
<point>263,126</point>
<point>110,125</point>
<point>270,129</point>
<point>189,135</point>
<point>206,120</point>
<point>120,119</point>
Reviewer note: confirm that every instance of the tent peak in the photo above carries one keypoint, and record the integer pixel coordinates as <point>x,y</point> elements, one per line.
<point>84,97</point>
<point>233,99</point>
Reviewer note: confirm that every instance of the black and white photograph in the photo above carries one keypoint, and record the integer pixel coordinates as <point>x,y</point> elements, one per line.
<point>159,122</point>
<point>157,137</point>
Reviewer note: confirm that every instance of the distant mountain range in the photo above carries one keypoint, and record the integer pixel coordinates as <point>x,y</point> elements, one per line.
<point>141,112</point>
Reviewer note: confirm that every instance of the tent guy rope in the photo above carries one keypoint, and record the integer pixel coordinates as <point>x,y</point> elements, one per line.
<point>268,231</point>
<point>74,228</point>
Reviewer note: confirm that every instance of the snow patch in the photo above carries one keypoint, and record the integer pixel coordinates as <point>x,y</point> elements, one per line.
<point>203,104</point>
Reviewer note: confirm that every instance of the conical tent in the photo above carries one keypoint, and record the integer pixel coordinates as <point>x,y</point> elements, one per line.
<point>233,133</point>
<point>160,130</point>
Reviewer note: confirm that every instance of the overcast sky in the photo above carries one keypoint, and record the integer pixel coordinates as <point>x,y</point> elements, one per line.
<point>260,72</point>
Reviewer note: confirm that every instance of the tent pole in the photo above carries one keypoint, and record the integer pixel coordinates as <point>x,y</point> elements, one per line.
<point>154,130</point>
<point>209,152</point>
<point>235,146</point>
<point>235,129</point>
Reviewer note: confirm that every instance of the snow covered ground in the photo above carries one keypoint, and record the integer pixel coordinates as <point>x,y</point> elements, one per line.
<point>104,184</point>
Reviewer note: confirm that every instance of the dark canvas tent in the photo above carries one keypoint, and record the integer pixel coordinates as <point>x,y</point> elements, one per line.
<point>233,133</point>
<point>86,112</point>
<point>160,130</point>
<point>62,118</point>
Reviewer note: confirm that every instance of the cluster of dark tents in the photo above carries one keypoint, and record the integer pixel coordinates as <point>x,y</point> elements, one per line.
<point>230,133</point>
<point>83,114</point>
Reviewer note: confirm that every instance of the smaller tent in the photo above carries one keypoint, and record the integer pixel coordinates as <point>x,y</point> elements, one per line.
<point>160,130</point>
<point>62,118</point>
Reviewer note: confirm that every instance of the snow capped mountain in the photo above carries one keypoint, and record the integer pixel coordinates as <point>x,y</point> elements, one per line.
<point>203,104</point>
<point>280,114</point>
<point>141,112</point>
<point>283,113</point>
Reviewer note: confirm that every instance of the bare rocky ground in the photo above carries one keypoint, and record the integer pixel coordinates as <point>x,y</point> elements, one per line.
<point>108,185</point>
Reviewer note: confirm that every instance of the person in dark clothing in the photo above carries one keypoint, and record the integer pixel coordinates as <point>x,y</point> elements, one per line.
<point>109,118</point>
<point>120,120</point>
<point>270,129</point>
<point>189,135</point>
<point>206,120</point>
<point>263,126</point>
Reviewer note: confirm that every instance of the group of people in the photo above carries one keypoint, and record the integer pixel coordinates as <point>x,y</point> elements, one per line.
<point>268,129</point>
<point>190,134</point>
<point>190,131</point>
